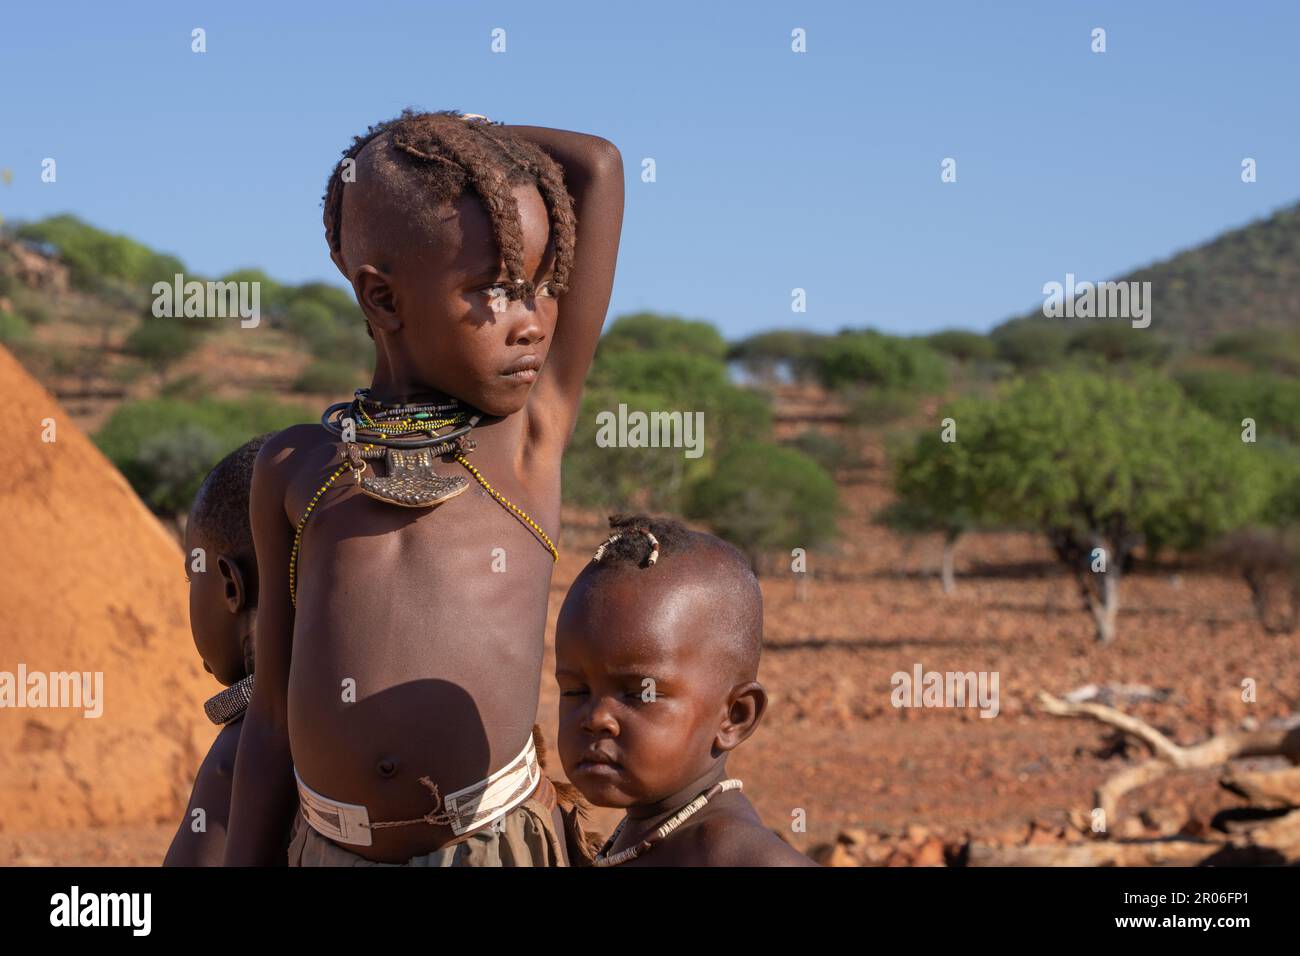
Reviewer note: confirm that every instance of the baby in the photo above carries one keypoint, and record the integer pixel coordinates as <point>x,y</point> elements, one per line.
<point>656,655</point>
<point>223,608</point>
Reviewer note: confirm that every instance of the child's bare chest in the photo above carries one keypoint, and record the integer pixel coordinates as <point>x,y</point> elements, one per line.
<point>418,636</point>
<point>481,552</point>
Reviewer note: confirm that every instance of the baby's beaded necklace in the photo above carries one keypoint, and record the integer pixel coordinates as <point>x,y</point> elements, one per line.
<point>632,852</point>
<point>405,434</point>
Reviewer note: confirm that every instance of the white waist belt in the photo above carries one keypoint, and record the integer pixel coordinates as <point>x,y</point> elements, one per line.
<point>466,809</point>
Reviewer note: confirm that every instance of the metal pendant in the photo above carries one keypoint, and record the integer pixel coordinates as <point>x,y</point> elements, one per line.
<point>411,481</point>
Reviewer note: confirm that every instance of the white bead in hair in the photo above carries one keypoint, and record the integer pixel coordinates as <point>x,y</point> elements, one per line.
<point>600,552</point>
<point>654,545</point>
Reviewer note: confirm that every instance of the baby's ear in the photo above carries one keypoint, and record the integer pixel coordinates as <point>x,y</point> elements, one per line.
<point>746,706</point>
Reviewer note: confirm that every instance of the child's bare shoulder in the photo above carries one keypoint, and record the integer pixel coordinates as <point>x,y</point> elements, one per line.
<point>740,839</point>
<point>285,453</point>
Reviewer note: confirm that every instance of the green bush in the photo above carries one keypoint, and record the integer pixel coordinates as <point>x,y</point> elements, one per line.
<point>340,303</point>
<point>944,485</point>
<point>1271,400</point>
<point>93,255</point>
<point>165,447</point>
<point>311,321</point>
<point>273,297</point>
<point>1112,343</point>
<point>648,331</point>
<point>656,380</point>
<point>13,327</point>
<point>161,342</point>
<point>763,354</point>
<point>873,359</point>
<point>187,387</point>
<point>962,345</point>
<point>341,342</point>
<point>170,466</point>
<point>1030,344</point>
<point>879,406</point>
<point>827,450</point>
<point>763,497</point>
<point>322,377</point>
<point>621,478</point>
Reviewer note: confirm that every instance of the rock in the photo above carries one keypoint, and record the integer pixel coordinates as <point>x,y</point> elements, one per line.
<point>852,838</point>
<point>878,853</point>
<point>916,834</point>
<point>930,853</point>
<point>840,856</point>
<point>1166,820</point>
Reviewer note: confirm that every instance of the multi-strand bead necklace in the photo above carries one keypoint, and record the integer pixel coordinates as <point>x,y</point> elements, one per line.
<point>407,436</point>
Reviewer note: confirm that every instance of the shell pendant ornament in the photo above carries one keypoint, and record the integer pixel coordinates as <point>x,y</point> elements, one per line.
<point>411,481</point>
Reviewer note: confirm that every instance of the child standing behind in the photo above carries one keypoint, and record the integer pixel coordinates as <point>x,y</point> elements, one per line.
<point>223,607</point>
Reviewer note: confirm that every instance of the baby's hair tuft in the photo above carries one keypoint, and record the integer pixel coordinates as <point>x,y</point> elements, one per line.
<point>220,510</point>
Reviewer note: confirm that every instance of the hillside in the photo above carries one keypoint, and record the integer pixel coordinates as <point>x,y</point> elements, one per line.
<point>1245,278</point>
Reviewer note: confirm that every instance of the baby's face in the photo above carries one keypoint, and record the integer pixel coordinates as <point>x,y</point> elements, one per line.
<point>640,701</point>
<point>460,333</point>
<point>212,623</point>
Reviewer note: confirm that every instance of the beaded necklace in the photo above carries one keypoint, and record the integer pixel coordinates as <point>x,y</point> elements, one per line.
<point>632,852</point>
<point>407,436</point>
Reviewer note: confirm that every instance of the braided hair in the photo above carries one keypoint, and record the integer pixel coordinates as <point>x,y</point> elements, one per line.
<point>445,156</point>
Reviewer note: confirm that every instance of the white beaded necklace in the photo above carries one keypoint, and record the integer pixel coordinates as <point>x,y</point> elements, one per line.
<point>665,828</point>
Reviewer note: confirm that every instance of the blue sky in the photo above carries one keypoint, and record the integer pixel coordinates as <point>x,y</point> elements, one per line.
<point>776,170</point>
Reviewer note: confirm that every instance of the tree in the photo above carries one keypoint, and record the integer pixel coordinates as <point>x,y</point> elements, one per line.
<point>165,447</point>
<point>1114,342</point>
<point>855,358</point>
<point>162,343</point>
<point>1030,344</point>
<point>1102,466</point>
<point>941,485</point>
<point>762,497</point>
<point>1271,401</point>
<point>93,255</point>
<point>1267,554</point>
<point>649,381</point>
<point>647,330</point>
<point>782,352</point>
<point>963,345</point>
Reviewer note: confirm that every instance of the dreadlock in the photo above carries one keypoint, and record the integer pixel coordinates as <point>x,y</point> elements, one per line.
<point>444,156</point>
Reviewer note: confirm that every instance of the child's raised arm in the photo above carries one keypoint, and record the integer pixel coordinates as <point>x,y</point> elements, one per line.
<point>593,174</point>
<point>264,795</point>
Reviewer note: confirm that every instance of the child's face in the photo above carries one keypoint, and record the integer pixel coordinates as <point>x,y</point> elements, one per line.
<point>641,698</point>
<point>217,599</point>
<point>457,336</point>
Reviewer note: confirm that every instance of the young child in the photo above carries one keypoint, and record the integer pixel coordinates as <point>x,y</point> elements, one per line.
<point>223,608</point>
<point>656,655</point>
<point>403,542</point>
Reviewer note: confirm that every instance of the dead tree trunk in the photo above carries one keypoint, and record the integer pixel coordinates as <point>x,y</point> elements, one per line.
<point>1167,755</point>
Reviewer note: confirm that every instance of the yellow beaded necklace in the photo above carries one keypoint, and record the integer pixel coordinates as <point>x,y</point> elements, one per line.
<point>354,461</point>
